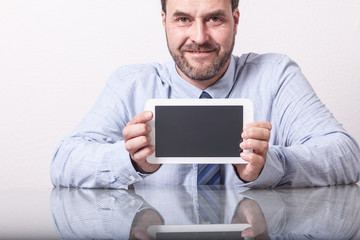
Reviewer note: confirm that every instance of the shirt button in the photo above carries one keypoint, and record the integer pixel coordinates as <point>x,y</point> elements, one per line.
<point>132,178</point>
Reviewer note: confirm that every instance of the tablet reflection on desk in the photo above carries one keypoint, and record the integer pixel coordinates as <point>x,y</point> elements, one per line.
<point>175,212</point>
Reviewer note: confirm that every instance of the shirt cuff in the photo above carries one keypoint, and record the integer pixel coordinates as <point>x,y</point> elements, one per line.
<point>117,171</point>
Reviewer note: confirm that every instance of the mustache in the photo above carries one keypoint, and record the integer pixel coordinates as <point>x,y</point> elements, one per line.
<point>194,47</point>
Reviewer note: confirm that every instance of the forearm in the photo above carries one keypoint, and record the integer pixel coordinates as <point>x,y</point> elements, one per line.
<point>94,155</point>
<point>325,160</point>
<point>73,212</point>
<point>79,162</point>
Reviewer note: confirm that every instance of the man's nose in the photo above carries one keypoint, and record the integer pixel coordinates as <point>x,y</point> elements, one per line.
<point>198,32</point>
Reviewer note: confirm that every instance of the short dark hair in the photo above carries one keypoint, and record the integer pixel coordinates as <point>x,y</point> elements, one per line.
<point>234,5</point>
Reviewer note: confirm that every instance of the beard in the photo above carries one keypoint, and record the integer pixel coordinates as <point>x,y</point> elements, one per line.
<point>204,71</point>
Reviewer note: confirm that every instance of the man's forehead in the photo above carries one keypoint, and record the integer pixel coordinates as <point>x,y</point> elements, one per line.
<point>197,6</point>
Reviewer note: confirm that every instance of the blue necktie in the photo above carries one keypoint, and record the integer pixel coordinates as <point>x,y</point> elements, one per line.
<point>209,199</point>
<point>208,174</point>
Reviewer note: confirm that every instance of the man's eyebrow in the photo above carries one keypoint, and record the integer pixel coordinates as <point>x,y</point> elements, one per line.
<point>180,14</point>
<point>220,13</point>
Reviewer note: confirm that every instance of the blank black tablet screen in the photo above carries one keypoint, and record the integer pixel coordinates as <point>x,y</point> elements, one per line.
<point>198,131</point>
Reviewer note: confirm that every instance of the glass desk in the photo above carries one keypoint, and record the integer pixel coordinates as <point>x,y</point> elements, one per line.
<point>181,212</point>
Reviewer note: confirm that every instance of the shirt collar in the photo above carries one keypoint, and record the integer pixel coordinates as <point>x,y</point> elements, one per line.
<point>223,86</point>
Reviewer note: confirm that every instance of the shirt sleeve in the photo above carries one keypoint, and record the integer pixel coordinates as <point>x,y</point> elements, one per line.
<point>308,146</point>
<point>92,214</point>
<point>94,155</point>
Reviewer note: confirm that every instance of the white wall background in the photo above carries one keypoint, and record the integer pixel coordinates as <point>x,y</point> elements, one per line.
<point>55,56</point>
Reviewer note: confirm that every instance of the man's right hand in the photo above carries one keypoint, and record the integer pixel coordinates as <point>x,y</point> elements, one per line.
<point>137,142</point>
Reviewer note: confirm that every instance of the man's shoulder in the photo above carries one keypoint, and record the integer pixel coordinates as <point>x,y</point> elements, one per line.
<point>139,70</point>
<point>145,74</point>
<point>267,58</point>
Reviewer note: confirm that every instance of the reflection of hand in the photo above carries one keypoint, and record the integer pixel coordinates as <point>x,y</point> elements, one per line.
<point>142,221</point>
<point>256,136</point>
<point>248,211</point>
<point>137,142</point>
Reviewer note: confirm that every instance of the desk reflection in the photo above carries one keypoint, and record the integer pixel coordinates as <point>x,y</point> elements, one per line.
<point>311,213</point>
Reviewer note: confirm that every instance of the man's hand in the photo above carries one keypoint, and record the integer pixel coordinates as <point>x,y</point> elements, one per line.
<point>142,221</point>
<point>137,142</point>
<point>256,136</point>
<point>249,211</point>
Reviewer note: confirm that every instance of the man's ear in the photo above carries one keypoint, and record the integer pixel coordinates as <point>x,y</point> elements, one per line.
<point>163,17</point>
<point>236,16</point>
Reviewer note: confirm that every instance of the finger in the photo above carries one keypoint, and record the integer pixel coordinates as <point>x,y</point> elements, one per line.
<point>258,225</point>
<point>136,130</point>
<point>249,232</point>
<point>259,146</point>
<point>256,161</point>
<point>260,124</point>
<point>247,172</point>
<point>256,133</point>
<point>251,171</point>
<point>142,117</point>
<point>134,144</point>
<point>142,235</point>
<point>141,155</point>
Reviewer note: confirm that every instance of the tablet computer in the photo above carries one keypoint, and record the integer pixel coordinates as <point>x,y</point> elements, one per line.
<point>200,231</point>
<point>198,130</point>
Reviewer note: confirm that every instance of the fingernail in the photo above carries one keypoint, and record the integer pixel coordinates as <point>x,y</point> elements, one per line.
<point>148,114</point>
<point>243,135</point>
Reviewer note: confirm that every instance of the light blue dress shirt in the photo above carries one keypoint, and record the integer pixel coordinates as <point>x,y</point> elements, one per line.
<point>308,147</point>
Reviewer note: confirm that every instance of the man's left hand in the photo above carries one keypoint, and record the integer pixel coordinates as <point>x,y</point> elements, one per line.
<point>256,136</point>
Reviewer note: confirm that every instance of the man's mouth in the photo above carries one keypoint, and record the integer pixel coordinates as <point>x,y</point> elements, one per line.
<point>200,54</point>
<point>207,51</point>
<point>199,50</point>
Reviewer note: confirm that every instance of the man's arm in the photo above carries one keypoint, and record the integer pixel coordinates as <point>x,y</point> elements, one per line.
<point>94,155</point>
<point>308,146</point>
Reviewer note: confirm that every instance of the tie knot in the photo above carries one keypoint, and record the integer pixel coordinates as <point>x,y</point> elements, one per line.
<point>205,95</point>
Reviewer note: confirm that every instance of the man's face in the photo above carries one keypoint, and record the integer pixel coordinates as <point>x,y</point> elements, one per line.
<point>200,36</point>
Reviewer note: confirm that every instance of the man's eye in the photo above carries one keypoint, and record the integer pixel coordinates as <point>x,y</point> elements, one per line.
<point>215,19</point>
<point>183,19</point>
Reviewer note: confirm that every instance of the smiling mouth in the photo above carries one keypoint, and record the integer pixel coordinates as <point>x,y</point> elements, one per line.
<point>200,55</point>
<point>200,49</point>
<point>200,52</point>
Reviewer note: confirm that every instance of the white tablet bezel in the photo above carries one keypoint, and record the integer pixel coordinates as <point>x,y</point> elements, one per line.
<point>152,103</point>
<point>152,230</point>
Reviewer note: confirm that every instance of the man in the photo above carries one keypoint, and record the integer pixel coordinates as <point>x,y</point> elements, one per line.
<point>306,147</point>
